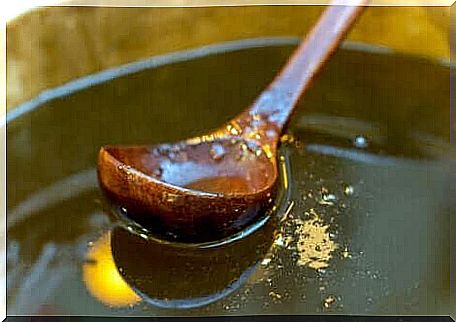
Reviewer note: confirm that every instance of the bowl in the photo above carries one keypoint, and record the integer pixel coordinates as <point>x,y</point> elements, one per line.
<point>363,227</point>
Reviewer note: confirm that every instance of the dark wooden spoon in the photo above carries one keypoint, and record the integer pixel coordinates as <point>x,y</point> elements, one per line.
<point>214,185</point>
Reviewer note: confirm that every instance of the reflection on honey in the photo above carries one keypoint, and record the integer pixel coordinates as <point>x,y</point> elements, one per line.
<point>102,279</point>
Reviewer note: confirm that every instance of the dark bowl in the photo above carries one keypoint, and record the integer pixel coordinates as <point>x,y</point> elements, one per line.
<point>365,228</point>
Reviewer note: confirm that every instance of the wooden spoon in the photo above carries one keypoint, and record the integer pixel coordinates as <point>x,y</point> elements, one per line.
<point>214,185</point>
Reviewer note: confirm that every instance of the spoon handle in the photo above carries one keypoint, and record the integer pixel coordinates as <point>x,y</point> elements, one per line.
<point>278,101</point>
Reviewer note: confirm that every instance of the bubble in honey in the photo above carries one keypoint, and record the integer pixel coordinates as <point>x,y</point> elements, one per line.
<point>327,198</point>
<point>217,152</point>
<point>360,142</point>
<point>329,301</point>
<point>348,190</point>
<point>346,253</point>
<point>266,261</point>
<point>254,147</point>
<point>275,295</point>
<point>243,151</point>
<point>234,128</point>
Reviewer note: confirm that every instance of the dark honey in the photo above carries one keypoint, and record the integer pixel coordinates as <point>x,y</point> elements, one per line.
<point>365,230</point>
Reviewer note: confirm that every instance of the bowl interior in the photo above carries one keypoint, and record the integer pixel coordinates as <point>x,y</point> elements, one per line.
<point>368,165</point>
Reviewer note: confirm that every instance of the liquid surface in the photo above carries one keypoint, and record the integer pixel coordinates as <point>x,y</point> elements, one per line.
<point>221,185</point>
<point>367,154</point>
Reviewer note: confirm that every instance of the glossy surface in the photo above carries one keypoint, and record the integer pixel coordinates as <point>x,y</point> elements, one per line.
<point>364,230</point>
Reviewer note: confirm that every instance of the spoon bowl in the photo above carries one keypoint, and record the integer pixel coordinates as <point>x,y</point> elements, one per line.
<point>208,196</point>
